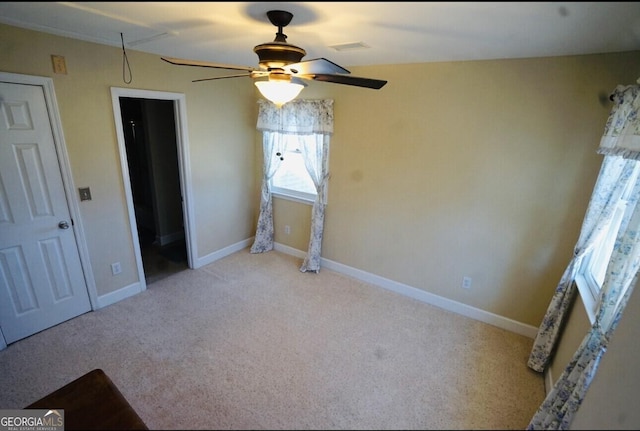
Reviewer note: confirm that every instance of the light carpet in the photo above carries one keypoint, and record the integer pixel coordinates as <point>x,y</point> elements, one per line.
<point>250,342</point>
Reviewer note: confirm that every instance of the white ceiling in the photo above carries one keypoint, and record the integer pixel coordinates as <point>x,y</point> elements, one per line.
<point>395,32</point>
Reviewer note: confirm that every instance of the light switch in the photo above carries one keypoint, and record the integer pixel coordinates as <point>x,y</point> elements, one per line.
<point>85,194</point>
<point>59,65</point>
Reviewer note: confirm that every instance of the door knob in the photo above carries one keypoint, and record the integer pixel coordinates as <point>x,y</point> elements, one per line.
<point>63,225</point>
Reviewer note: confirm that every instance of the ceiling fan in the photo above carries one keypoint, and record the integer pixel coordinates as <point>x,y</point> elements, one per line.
<point>282,66</point>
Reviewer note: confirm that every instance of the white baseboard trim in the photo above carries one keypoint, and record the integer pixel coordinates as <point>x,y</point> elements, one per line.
<point>120,294</point>
<point>548,380</point>
<point>3,342</point>
<point>376,280</point>
<point>421,295</point>
<point>212,257</point>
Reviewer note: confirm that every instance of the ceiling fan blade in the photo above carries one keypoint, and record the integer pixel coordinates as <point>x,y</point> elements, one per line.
<point>346,79</point>
<point>183,62</point>
<point>240,75</point>
<point>317,65</point>
<point>252,74</point>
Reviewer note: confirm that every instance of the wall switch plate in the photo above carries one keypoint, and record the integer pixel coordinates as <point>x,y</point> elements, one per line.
<point>59,65</point>
<point>116,268</point>
<point>85,193</point>
<point>466,282</point>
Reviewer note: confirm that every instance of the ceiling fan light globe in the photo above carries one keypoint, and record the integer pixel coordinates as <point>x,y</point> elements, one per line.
<point>279,92</point>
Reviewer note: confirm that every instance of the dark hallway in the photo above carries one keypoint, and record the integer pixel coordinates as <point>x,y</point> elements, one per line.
<point>149,132</point>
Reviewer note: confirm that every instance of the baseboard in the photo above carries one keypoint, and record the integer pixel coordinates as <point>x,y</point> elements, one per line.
<point>120,294</point>
<point>3,342</point>
<point>376,280</point>
<point>548,380</point>
<point>420,295</point>
<point>212,257</point>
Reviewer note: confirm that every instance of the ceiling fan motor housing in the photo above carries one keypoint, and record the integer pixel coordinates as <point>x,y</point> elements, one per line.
<point>278,54</point>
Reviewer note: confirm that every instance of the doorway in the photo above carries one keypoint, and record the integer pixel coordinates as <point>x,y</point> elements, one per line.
<point>153,169</point>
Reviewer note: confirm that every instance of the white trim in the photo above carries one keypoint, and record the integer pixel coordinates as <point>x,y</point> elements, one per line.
<point>288,196</point>
<point>548,380</point>
<point>224,252</point>
<point>419,294</point>
<point>3,342</point>
<point>65,172</point>
<point>182,140</point>
<point>586,294</point>
<point>120,294</point>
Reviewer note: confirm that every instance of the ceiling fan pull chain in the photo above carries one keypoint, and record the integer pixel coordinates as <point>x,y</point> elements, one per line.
<point>125,60</point>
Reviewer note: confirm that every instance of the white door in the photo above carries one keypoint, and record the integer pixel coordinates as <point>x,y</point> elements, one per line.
<point>41,278</point>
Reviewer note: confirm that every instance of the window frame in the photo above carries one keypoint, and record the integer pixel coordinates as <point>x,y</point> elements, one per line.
<point>293,194</point>
<point>588,285</point>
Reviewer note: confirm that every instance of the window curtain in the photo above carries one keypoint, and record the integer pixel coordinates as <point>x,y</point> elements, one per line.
<point>615,173</point>
<point>272,146</point>
<point>316,158</point>
<point>300,117</point>
<point>621,146</point>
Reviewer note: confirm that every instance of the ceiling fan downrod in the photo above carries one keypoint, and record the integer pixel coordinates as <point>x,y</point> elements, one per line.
<point>280,18</point>
<point>279,53</point>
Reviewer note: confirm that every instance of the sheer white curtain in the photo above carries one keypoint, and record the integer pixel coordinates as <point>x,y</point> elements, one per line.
<point>621,146</point>
<point>298,117</point>
<point>272,146</point>
<point>316,160</point>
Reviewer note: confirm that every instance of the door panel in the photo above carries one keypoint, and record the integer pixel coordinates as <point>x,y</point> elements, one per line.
<point>41,279</point>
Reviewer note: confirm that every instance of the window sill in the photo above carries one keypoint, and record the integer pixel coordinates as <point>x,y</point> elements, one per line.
<point>306,201</point>
<point>587,297</point>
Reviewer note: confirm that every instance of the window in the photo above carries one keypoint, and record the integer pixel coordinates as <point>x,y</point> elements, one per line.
<point>292,180</point>
<point>593,268</point>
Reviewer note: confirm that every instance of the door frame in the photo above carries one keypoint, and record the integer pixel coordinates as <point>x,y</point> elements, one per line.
<point>184,168</point>
<point>65,172</point>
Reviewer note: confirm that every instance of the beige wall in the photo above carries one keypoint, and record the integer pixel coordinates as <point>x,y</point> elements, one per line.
<point>221,128</point>
<point>480,169</point>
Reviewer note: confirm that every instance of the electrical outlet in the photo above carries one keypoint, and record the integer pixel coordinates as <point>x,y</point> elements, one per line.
<point>116,268</point>
<point>287,230</point>
<point>466,282</point>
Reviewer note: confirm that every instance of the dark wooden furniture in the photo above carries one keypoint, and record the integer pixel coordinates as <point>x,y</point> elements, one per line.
<point>92,402</point>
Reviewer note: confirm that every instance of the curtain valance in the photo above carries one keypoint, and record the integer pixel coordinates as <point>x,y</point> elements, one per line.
<point>298,117</point>
<point>622,132</point>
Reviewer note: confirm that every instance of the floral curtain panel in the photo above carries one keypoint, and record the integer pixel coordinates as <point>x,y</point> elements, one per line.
<point>622,131</point>
<point>613,179</point>
<point>272,145</point>
<point>300,117</point>
<point>316,160</point>
<point>621,146</point>
<point>559,407</point>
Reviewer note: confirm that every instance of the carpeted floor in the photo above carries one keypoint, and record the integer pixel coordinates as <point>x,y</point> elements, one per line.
<point>250,342</point>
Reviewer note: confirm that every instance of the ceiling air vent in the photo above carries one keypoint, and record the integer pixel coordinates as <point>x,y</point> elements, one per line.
<point>350,46</point>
